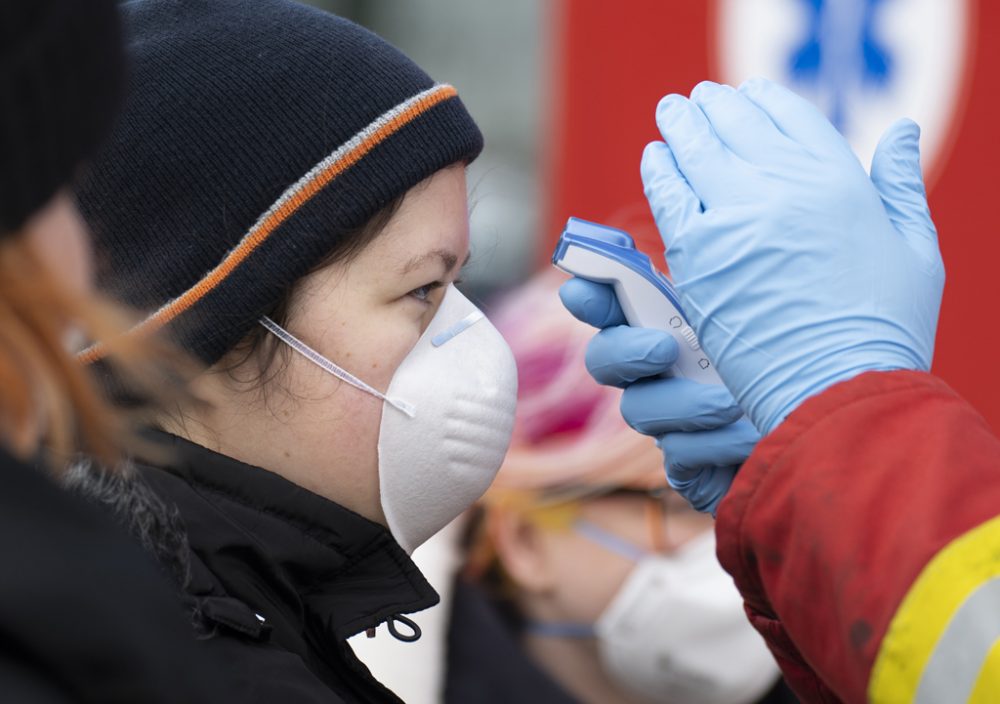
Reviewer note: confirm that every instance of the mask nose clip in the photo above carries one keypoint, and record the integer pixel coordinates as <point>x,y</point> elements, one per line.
<point>459,327</point>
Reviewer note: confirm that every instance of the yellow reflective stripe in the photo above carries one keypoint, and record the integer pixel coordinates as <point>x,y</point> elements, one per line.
<point>951,673</point>
<point>988,684</point>
<point>938,592</point>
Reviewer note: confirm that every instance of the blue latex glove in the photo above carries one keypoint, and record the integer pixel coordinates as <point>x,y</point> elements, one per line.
<point>699,427</point>
<point>796,269</point>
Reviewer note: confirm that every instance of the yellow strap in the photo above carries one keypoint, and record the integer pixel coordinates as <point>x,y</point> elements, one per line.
<point>944,585</point>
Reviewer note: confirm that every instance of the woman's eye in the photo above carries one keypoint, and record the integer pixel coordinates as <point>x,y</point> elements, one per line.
<point>423,292</point>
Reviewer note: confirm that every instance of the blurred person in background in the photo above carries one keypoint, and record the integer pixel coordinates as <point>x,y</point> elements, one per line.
<point>84,617</point>
<point>285,197</point>
<point>586,578</point>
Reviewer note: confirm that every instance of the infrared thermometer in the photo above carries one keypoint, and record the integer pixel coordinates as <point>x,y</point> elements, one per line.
<point>607,255</point>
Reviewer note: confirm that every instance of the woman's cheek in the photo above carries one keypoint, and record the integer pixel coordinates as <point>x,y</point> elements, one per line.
<point>391,348</point>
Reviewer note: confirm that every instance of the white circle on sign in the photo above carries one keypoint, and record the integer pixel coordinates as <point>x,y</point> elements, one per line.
<point>832,52</point>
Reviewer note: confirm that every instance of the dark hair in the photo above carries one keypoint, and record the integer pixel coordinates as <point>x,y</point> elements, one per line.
<point>260,345</point>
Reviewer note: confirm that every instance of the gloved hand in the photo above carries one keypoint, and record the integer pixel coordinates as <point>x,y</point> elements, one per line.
<point>795,268</point>
<point>701,430</point>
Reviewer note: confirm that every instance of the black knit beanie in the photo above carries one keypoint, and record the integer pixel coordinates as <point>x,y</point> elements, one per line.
<point>257,134</point>
<point>60,79</point>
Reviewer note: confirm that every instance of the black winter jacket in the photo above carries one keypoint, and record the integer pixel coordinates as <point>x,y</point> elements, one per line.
<point>84,615</point>
<point>279,578</point>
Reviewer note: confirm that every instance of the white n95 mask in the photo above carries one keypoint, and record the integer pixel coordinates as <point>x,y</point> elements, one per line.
<point>677,631</point>
<point>447,419</point>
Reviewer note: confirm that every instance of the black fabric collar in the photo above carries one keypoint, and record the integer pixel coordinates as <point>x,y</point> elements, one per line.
<point>310,568</point>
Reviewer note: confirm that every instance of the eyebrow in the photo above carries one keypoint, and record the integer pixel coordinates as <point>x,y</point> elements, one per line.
<point>449,259</point>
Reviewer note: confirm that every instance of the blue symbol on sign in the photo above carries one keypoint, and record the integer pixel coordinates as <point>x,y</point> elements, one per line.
<point>841,54</point>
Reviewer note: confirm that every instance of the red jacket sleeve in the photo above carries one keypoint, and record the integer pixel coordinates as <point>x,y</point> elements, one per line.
<point>861,531</point>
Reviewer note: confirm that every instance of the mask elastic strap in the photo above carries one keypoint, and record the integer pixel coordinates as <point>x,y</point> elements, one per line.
<point>609,541</point>
<point>328,366</point>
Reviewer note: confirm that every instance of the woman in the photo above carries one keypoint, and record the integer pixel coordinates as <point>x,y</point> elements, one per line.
<point>83,615</point>
<point>586,579</point>
<point>285,197</point>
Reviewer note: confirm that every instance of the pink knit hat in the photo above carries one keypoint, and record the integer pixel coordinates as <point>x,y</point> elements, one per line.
<point>569,436</point>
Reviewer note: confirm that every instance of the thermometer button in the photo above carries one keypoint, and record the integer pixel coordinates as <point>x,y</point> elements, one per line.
<point>691,338</point>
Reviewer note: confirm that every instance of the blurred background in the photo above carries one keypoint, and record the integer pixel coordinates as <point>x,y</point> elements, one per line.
<point>499,56</point>
<point>565,90</point>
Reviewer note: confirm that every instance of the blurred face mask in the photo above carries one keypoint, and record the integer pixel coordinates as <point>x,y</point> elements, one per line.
<point>676,630</point>
<point>447,420</point>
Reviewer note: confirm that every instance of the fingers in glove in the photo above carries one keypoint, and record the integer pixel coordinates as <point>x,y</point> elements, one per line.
<point>743,127</point>
<point>796,117</point>
<point>702,159</point>
<point>668,405</point>
<point>621,355</point>
<point>728,445</point>
<point>592,303</point>
<point>703,487</point>
<point>671,199</point>
<point>899,181</point>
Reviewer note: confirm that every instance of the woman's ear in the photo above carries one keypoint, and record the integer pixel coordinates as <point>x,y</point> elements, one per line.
<point>522,550</point>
